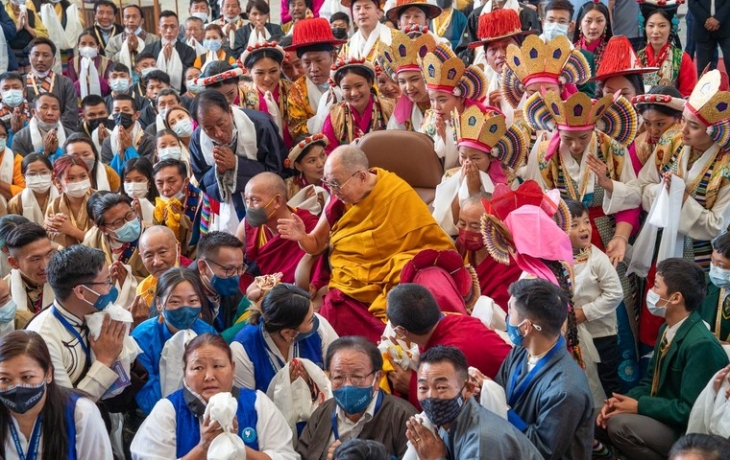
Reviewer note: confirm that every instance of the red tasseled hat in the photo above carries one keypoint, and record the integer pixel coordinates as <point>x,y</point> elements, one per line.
<point>311,32</point>
<point>496,25</point>
<point>619,58</point>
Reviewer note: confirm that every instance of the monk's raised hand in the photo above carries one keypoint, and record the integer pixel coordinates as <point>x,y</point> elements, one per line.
<point>291,228</point>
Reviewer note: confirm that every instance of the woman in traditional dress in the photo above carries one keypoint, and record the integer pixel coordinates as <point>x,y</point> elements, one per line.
<point>67,219</point>
<point>307,159</point>
<point>139,185</point>
<point>660,26</point>
<point>268,92</point>
<point>32,202</point>
<point>12,181</point>
<point>451,88</point>
<point>694,162</point>
<point>362,110</point>
<point>661,114</point>
<point>89,70</point>
<point>593,29</point>
<point>450,24</point>
<point>402,61</point>
<point>102,176</point>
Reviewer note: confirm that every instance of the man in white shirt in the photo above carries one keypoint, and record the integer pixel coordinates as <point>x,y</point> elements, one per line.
<point>81,281</point>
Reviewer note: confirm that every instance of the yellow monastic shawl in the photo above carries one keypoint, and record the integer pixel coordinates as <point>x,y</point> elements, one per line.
<point>376,237</point>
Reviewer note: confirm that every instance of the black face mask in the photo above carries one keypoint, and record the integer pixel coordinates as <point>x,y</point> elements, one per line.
<point>340,33</point>
<point>123,119</point>
<point>443,4</point>
<point>21,399</point>
<point>96,122</point>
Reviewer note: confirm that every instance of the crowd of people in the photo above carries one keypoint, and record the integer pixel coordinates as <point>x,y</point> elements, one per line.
<point>202,258</point>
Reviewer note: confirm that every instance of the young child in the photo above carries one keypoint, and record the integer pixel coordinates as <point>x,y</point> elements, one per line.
<point>715,309</point>
<point>598,293</point>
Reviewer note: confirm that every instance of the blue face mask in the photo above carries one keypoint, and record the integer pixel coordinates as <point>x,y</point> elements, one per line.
<point>514,333</point>
<point>129,232</point>
<point>302,336</point>
<point>183,317</point>
<point>719,277</point>
<point>212,45</point>
<point>353,400</point>
<point>7,312</point>
<point>13,97</point>
<point>224,286</point>
<point>104,299</point>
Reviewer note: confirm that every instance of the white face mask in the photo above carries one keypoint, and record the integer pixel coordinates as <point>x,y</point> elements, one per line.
<point>77,189</point>
<point>554,29</point>
<point>136,189</point>
<point>170,153</point>
<point>202,15</point>
<point>88,52</point>
<point>719,276</point>
<point>652,300</point>
<point>38,183</point>
<point>184,128</point>
<point>179,195</point>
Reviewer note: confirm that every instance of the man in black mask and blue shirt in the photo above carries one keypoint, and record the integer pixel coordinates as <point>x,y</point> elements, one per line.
<point>465,429</point>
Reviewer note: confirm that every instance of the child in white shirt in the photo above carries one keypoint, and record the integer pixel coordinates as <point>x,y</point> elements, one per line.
<point>597,294</point>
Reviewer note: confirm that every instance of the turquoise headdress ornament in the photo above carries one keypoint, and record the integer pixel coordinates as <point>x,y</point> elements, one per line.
<point>649,7</point>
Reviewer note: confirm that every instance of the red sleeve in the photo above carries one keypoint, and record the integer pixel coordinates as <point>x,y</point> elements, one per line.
<point>413,391</point>
<point>687,76</point>
<point>329,131</point>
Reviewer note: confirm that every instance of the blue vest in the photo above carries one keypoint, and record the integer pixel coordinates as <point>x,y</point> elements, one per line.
<point>71,425</point>
<point>187,426</point>
<point>264,369</point>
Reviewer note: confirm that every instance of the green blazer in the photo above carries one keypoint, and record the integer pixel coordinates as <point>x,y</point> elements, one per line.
<point>708,311</point>
<point>590,87</point>
<point>693,357</point>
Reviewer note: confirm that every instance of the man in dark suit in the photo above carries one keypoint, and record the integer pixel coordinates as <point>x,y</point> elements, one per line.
<point>644,423</point>
<point>105,27</point>
<point>711,20</point>
<point>173,55</point>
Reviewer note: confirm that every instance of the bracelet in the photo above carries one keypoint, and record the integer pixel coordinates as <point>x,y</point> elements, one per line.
<point>621,236</point>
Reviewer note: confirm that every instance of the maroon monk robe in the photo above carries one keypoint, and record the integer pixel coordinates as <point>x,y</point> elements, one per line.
<point>494,277</point>
<point>278,254</point>
<point>484,349</point>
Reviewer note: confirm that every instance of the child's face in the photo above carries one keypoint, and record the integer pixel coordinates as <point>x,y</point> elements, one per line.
<point>580,232</point>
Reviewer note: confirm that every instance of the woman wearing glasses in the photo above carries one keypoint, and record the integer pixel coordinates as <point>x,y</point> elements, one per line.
<point>116,232</point>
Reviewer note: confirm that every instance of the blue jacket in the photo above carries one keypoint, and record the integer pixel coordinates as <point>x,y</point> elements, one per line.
<point>151,337</point>
<point>10,32</point>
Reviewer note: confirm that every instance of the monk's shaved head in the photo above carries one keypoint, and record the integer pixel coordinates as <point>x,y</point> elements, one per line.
<point>349,158</point>
<point>268,181</point>
<point>475,200</point>
<point>159,233</point>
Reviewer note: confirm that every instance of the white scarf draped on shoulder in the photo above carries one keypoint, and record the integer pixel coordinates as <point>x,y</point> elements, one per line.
<point>173,66</point>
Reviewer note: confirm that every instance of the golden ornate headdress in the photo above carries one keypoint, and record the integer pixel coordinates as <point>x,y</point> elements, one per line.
<point>445,72</point>
<point>488,133</point>
<point>707,102</point>
<point>535,61</point>
<point>613,115</point>
<point>404,54</point>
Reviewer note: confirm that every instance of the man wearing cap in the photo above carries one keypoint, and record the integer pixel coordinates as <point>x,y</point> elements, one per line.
<point>415,14</point>
<point>314,44</point>
<point>370,31</point>
<point>373,226</point>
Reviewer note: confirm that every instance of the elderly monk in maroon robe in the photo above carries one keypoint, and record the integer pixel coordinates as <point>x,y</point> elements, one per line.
<point>494,278</point>
<point>374,224</point>
<point>266,252</point>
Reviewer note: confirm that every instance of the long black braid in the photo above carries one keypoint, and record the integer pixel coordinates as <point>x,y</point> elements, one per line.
<point>562,274</point>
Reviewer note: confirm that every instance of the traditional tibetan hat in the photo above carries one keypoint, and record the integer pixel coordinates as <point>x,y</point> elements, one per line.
<point>712,107</point>
<point>649,7</point>
<point>303,145</point>
<point>393,11</point>
<point>231,72</point>
<point>404,54</point>
<point>674,103</point>
<point>342,64</point>
<point>313,32</point>
<point>612,114</point>
<point>445,72</point>
<point>488,133</point>
<point>260,47</point>
<point>619,58</point>
<point>496,25</point>
<point>535,61</point>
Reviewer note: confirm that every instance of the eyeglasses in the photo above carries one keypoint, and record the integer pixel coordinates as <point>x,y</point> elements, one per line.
<point>356,380</point>
<point>117,224</point>
<point>337,186</point>
<point>229,271</point>
<point>108,282</point>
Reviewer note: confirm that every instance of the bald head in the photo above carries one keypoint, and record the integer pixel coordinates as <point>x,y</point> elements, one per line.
<point>269,181</point>
<point>470,213</point>
<point>159,249</point>
<point>349,159</point>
